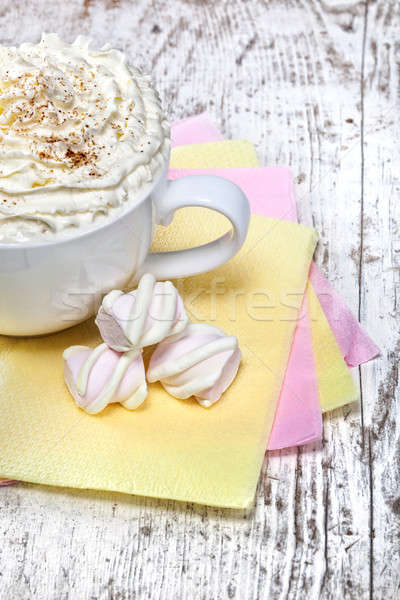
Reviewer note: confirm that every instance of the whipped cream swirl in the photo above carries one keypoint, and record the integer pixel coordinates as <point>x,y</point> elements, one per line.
<point>80,134</point>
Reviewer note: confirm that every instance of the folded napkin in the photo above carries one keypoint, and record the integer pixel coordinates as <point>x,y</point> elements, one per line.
<point>233,153</point>
<point>298,417</point>
<point>356,346</point>
<point>195,129</point>
<point>335,384</point>
<point>167,448</point>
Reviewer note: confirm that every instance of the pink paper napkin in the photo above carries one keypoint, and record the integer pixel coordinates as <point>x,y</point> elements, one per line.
<point>298,416</point>
<point>197,129</point>
<point>355,345</point>
<point>269,189</point>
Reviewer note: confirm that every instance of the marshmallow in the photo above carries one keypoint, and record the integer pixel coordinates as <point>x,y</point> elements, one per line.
<point>96,377</point>
<point>143,317</point>
<point>203,362</point>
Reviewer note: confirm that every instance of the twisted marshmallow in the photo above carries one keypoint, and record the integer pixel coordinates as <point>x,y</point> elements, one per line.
<point>97,377</point>
<point>203,363</point>
<point>143,317</point>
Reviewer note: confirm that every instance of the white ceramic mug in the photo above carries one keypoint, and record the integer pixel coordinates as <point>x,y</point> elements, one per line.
<point>49,286</point>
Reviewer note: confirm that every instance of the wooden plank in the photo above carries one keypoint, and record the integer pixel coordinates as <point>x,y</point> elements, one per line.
<point>286,75</point>
<point>379,307</point>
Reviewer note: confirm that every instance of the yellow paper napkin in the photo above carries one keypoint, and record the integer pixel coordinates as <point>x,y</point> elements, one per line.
<point>167,448</point>
<point>210,155</point>
<point>335,384</point>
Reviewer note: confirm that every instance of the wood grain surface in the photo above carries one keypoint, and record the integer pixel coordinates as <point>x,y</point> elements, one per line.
<point>314,85</point>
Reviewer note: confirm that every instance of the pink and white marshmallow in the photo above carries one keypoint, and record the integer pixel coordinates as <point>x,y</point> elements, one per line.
<point>143,317</point>
<point>203,362</point>
<point>97,377</point>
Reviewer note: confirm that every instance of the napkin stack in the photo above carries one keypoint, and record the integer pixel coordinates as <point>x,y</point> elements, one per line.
<point>297,337</point>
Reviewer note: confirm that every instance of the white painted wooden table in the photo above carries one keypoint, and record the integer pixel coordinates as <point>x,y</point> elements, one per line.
<point>315,85</point>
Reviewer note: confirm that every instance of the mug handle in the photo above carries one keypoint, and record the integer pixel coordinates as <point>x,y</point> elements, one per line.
<point>206,191</point>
